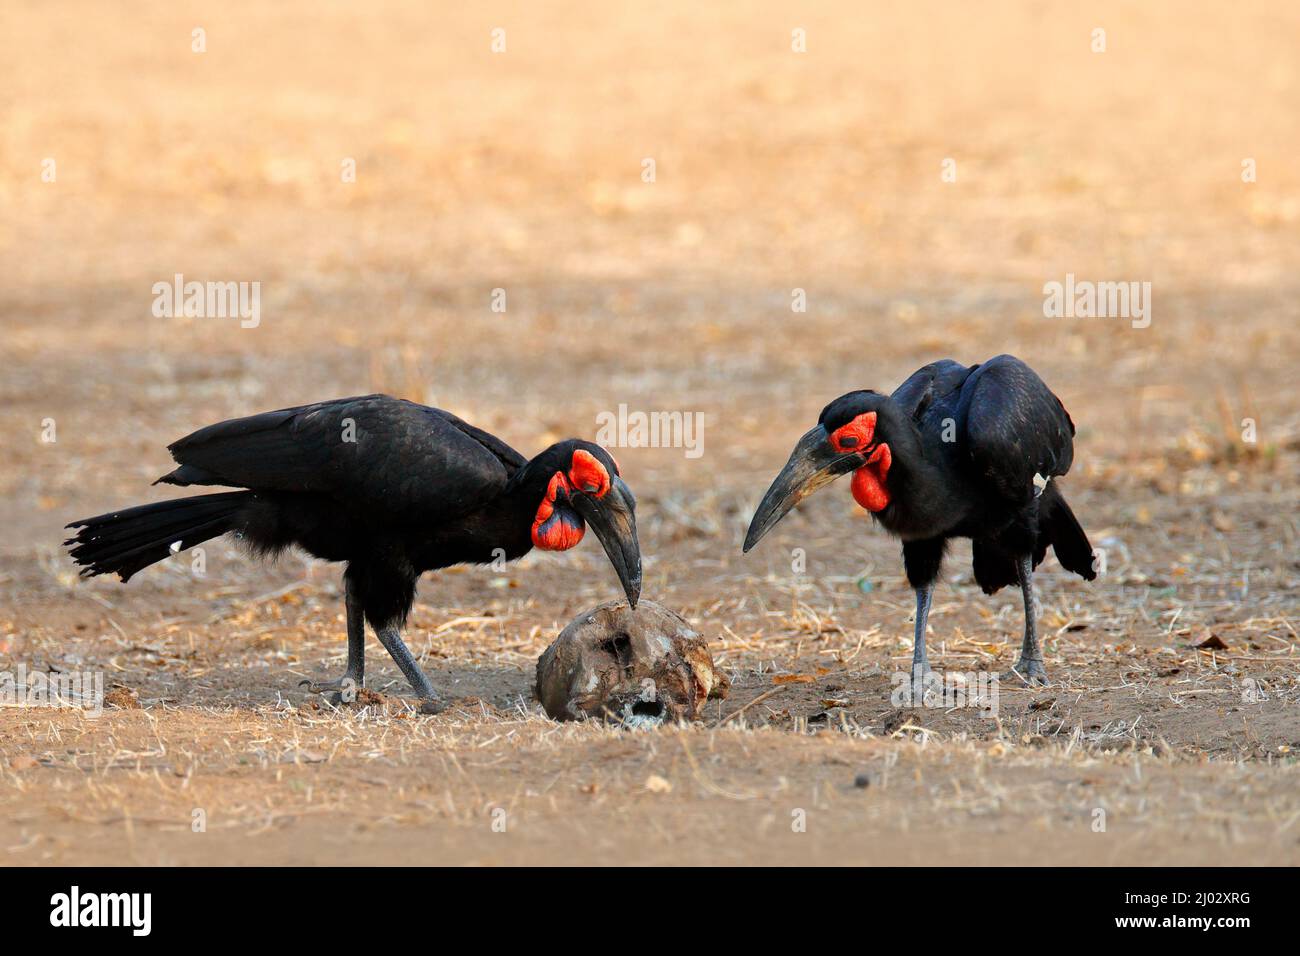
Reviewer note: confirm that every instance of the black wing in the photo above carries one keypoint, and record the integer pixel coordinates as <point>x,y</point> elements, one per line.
<point>1012,427</point>
<point>384,455</point>
<point>927,385</point>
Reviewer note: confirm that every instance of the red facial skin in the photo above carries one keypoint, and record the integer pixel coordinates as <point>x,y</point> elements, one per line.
<point>586,473</point>
<point>559,529</point>
<point>869,479</point>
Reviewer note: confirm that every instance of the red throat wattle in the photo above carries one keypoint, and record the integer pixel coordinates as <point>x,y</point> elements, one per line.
<point>556,528</point>
<point>869,480</point>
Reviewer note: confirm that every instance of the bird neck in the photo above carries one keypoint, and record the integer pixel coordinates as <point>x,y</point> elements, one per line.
<point>519,501</point>
<point>915,482</point>
<point>527,486</point>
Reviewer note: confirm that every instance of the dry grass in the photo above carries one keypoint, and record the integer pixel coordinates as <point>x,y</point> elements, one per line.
<point>381,787</point>
<point>775,172</point>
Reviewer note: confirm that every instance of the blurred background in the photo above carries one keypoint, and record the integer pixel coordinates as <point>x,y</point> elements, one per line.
<point>126,157</point>
<point>522,170</point>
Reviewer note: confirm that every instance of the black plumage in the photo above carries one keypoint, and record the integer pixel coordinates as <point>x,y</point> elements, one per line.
<point>390,487</point>
<point>955,451</point>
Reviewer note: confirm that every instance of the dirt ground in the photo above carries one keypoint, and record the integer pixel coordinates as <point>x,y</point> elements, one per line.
<point>774,171</point>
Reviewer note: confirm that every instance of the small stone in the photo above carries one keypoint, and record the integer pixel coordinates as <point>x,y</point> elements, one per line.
<point>368,698</point>
<point>123,697</point>
<point>657,784</point>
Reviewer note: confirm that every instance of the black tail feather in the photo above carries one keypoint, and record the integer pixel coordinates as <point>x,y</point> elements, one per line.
<point>995,563</point>
<point>994,567</point>
<point>1057,524</point>
<point>124,542</point>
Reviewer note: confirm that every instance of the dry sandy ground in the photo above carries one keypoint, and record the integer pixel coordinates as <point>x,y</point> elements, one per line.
<point>775,171</point>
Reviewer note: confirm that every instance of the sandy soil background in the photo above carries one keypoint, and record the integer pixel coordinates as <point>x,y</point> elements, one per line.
<point>774,171</point>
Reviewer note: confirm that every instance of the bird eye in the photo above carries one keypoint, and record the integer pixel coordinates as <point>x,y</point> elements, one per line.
<point>859,432</point>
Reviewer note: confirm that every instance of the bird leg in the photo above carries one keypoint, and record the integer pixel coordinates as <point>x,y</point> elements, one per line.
<point>344,690</point>
<point>919,661</point>
<point>922,560</point>
<point>391,637</point>
<point>1029,669</point>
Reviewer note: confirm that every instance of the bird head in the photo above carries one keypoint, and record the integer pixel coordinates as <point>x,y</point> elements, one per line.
<point>850,436</point>
<point>583,488</point>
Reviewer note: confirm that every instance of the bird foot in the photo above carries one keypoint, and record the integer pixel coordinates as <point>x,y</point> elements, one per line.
<point>432,705</point>
<point>1027,673</point>
<point>920,685</point>
<point>337,692</point>
<point>921,681</point>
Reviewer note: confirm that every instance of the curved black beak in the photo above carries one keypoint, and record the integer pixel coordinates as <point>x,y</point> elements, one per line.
<point>813,464</point>
<point>613,518</point>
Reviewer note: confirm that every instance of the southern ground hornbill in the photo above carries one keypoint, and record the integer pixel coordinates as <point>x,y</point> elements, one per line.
<point>390,487</point>
<point>955,452</point>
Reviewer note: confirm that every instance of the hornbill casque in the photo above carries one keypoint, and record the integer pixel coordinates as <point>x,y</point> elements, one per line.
<point>390,487</point>
<point>955,452</point>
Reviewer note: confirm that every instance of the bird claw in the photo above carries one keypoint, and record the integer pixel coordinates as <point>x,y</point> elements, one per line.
<point>337,692</point>
<point>1027,673</point>
<point>432,705</point>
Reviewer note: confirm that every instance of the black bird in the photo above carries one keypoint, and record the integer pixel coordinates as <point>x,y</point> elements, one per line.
<point>955,452</point>
<point>390,487</point>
